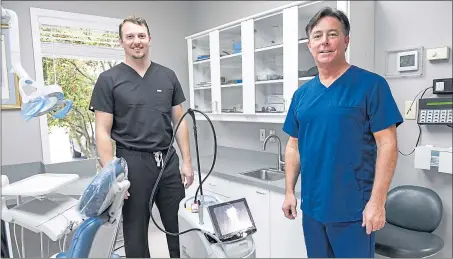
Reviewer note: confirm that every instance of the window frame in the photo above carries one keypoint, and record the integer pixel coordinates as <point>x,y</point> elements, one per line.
<point>71,19</point>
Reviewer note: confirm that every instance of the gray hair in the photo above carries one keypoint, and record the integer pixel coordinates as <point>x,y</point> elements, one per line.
<point>327,11</point>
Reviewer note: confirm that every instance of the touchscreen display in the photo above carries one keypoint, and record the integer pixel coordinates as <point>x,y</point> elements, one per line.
<point>232,217</point>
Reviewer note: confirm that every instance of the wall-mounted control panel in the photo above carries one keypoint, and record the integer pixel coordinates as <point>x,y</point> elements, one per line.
<point>435,111</point>
<point>443,86</point>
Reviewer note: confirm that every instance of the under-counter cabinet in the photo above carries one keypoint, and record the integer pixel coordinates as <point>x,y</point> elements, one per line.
<point>248,70</point>
<point>258,201</point>
<point>287,236</point>
<point>276,236</point>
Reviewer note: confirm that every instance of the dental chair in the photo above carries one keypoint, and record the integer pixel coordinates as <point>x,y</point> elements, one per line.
<point>412,214</point>
<point>101,206</point>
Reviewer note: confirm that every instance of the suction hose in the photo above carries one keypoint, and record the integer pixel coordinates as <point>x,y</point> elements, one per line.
<point>168,156</point>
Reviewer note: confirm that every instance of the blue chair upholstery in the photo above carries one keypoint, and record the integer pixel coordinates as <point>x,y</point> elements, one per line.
<point>83,239</point>
<point>412,214</point>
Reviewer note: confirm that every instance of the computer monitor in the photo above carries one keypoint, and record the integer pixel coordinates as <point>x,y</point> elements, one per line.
<point>231,219</point>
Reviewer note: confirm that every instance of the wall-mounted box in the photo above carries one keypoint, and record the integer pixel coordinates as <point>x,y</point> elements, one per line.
<point>442,53</point>
<point>430,156</point>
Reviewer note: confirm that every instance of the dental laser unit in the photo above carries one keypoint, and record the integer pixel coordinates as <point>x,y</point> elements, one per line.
<point>210,227</point>
<point>37,99</point>
<point>93,220</point>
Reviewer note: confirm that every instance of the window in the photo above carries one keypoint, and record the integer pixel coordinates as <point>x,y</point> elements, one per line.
<point>71,50</point>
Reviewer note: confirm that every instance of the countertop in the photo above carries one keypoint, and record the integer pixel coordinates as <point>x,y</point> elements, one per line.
<point>230,162</point>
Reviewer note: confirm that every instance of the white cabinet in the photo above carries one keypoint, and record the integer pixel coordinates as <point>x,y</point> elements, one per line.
<point>258,201</point>
<point>276,236</point>
<point>217,185</point>
<point>248,70</point>
<point>287,236</point>
<point>213,185</point>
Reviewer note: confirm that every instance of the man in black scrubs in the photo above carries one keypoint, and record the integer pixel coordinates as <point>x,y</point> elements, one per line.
<point>135,104</point>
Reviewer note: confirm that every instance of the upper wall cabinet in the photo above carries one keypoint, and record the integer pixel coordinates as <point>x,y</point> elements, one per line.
<point>249,69</point>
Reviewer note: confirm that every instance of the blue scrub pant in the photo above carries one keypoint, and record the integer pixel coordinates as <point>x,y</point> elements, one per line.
<point>343,239</point>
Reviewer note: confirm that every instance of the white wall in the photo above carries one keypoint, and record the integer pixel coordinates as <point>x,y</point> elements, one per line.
<point>21,141</point>
<point>208,14</point>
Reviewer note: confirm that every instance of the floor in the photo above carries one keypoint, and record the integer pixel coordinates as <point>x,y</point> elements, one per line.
<point>157,241</point>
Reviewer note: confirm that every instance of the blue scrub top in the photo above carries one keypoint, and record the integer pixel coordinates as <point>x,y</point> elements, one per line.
<point>334,126</point>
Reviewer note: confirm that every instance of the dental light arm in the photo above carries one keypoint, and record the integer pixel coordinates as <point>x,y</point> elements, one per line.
<point>14,43</point>
<point>37,99</point>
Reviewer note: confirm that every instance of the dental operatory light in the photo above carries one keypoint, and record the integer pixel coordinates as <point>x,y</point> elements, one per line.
<point>37,98</point>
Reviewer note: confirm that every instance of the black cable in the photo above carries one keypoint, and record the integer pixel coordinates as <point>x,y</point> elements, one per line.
<point>419,128</point>
<point>424,91</point>
<point>416,144</point>
<point>169,154</point>
<point>118,248</point>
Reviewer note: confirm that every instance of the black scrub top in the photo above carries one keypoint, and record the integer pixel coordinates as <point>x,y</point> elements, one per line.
<point>141,106</point>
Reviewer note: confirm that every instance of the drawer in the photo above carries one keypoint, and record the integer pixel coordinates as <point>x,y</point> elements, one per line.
<point>216,185</point>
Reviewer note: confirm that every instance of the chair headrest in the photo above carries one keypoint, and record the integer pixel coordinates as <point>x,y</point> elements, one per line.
<point>414,207</point>
<point>100,193</point>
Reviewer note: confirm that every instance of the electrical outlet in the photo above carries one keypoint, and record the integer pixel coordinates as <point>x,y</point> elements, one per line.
<point>262,134</point>
<point>270,133</point>
<point>410,112</point>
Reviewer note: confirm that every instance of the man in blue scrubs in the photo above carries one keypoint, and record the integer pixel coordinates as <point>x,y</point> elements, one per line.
<point>342,128</point>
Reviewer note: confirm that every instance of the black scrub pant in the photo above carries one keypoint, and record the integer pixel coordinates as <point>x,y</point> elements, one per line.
<point>142,174</point>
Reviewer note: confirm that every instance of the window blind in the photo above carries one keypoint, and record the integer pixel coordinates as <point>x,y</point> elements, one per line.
<point>79,39</point>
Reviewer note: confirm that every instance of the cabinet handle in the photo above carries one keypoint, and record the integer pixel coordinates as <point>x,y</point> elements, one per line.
<point>211,184</point>
<point>262,193</point>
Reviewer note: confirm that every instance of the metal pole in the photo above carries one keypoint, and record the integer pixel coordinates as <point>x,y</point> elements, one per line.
<point>42,250</point>
<point>22,242</point>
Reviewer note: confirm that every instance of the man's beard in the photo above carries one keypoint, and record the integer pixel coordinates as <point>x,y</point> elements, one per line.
<point>138,56</point>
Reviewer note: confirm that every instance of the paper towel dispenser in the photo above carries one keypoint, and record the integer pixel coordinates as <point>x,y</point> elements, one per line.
<point>430,156</point>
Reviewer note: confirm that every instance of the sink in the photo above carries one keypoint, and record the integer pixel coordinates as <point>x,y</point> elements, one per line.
<point>267,174</point>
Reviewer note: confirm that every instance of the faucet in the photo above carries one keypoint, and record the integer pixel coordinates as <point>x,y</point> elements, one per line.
<point>280,162</point>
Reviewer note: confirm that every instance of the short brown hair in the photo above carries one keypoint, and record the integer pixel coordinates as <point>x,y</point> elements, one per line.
<point>327,11</point>
<point>136,20</point>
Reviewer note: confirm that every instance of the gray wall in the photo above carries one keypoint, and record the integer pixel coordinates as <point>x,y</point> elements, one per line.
<point>21,141</point>
<point>398,25</point>
<point>428,24</point>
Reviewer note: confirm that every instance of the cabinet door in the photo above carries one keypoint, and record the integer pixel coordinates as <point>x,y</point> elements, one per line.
<point>248,65</point>
<point>200,85</point>
<point>290,60</point>
<point>217,185</point>
<point>258,201</point>
<point>269,65</point>
<point>286,236</point>
<point>215,71</point>
<point>231,76</point>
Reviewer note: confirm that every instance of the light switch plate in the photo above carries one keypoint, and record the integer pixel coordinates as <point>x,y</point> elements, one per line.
<point>412,113</point>
<point>442,53</point>
<point>262,134</point>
